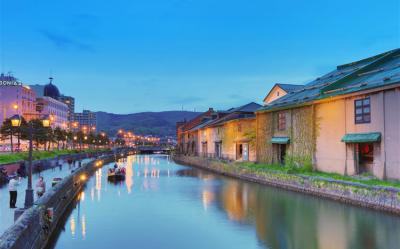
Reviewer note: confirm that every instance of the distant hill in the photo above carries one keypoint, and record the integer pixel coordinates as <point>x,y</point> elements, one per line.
<point>154,123</point>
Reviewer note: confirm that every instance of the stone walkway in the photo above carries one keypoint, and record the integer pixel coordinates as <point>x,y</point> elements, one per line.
<point>7,214</point>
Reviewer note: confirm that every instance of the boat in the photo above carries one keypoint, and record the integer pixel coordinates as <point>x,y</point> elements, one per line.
<point>117,174</point>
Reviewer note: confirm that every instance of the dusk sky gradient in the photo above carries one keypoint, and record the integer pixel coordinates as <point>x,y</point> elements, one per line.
<point>155,55</point>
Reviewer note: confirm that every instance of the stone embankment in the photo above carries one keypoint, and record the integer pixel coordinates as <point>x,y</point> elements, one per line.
<point>379,198</point>
<point>34,227</point>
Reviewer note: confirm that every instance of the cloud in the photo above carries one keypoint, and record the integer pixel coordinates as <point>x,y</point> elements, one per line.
<point>64,41</point>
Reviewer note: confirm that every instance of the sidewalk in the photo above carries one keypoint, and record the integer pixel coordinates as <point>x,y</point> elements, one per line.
<point>7,214</point>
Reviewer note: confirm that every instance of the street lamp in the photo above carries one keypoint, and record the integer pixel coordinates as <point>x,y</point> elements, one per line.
<point>16,122</point>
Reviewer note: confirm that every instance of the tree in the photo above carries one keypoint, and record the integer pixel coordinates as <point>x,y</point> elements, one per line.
<point>91,139</point>
<point>6,130</point>
<point>22,132</point>
<point>59,136</point>
<point>40,134</point>
<point>80,138</point>
<point>69,136</point>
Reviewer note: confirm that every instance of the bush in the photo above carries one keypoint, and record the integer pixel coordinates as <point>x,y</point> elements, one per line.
<point>296,164</point>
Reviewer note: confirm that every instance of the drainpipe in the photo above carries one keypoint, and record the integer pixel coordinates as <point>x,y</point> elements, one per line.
<point>384,133</point>
<point>345,132</point>
<point>314,138</point>
<point>291,131</point>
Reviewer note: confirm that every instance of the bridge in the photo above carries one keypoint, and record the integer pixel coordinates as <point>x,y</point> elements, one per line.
<point>153,149</point>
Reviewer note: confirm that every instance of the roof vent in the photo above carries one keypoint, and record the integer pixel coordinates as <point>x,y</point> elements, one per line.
<point>363,84</point>
<point>387,78</point>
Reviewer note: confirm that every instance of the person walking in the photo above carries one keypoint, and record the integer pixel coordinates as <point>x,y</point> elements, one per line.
<point>12,187</point>
<point>40,187</point>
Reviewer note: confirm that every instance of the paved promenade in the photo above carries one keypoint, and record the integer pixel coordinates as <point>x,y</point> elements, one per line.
<point>7,214</point>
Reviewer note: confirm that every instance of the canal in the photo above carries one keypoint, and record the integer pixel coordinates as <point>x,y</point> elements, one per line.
<point>165,205</point>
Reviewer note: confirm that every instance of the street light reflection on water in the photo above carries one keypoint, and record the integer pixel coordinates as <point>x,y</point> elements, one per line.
<point>165,205</point>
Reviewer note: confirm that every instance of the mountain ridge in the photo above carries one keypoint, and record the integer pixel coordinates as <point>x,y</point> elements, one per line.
<point>147,123</point>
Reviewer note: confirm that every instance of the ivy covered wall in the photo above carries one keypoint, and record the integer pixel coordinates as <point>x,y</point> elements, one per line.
<point>239,131</point>
<point>263,137</point>
<point>301,128</point>
<point>302,137</point>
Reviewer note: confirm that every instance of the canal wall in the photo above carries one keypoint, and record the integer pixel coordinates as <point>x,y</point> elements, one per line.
<point>379,198</point>
<point>34,227</point>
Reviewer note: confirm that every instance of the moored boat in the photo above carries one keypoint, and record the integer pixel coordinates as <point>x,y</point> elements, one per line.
<point>116,174</point>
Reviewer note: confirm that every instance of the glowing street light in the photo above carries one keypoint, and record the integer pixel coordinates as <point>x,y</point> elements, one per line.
<point>46,121</point>
<point>16,122</point>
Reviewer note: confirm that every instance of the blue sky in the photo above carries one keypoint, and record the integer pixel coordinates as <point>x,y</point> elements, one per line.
<point>154,55</point>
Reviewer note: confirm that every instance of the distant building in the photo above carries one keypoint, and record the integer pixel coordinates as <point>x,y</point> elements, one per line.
<point>51,102</point>
<point>57,110</point>
<point>16,98</point>
<point>70,102</point>
<point>186,140</point>
<point>86,120</point>
<point>226,134</point>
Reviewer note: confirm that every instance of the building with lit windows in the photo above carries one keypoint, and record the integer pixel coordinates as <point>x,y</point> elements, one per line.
<point>16,98</point>
<point>49,104</point>
<point>57,111</point>
<point>70,102</point>
<point>86,120</point>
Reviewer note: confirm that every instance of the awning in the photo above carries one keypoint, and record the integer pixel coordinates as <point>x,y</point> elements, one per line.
<point>368,137</point>
<point>280,140</point>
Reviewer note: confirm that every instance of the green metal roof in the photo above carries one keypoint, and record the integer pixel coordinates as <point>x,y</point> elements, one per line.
<point>368,137</point>
<point>374,72</point>
<point>280,140</point>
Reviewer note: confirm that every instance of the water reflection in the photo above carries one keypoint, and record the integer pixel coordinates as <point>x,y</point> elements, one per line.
<point>72,226</point>
<point>129,174</point>
<point>185,204</point>
<point>83,226</point>
<point>207,197</point>
<point>284,219</point>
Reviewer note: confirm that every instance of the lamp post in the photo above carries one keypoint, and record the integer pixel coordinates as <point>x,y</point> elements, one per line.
<point>16,122</point>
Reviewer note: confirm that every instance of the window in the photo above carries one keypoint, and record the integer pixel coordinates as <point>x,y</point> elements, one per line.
<point>281,121</point>
<point>362,111</point>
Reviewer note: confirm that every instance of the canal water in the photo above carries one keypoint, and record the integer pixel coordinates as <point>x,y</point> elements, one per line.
<point>165,205</point>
